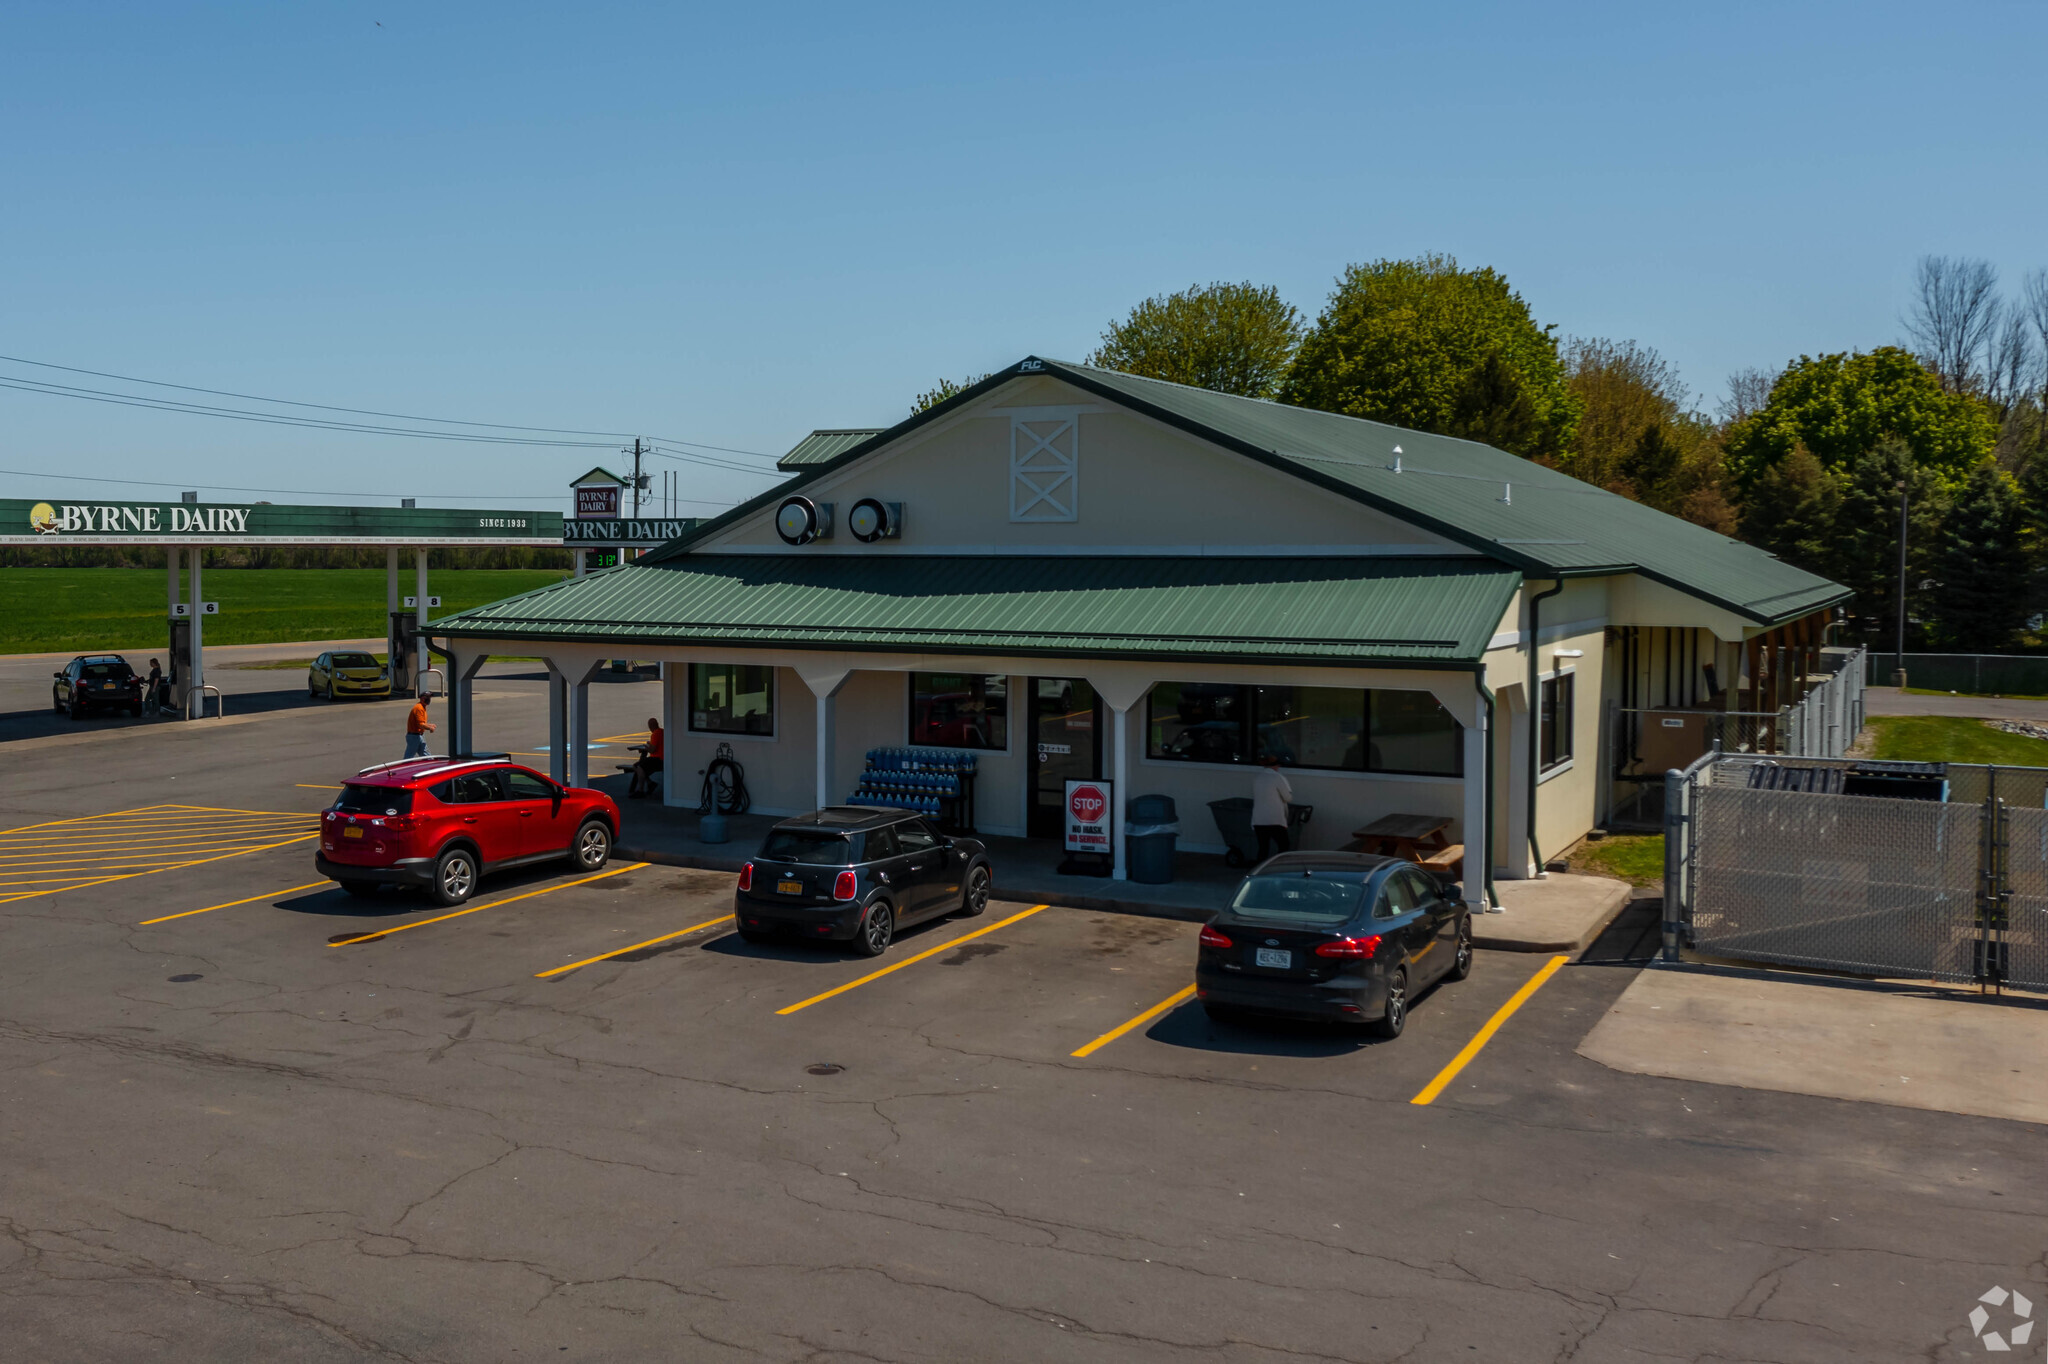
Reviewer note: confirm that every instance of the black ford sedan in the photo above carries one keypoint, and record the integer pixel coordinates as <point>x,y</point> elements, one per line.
<point>1345,936</point>
<point>854,873</point>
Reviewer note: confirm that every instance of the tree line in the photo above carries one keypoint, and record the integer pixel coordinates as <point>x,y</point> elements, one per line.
<point>1806,460</point>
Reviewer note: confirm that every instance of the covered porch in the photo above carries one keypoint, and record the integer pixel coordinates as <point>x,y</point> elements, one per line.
<point>1155,675</point>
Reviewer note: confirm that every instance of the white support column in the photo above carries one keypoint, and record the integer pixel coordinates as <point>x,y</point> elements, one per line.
<point>420,659</point>
<point>198,618</point>
<point>171,580</point>
<point>576,556</point>
<point>1120,771</point>
<point>579,730</point>
<point>461,702</point>
<point>558,724</point>
<point>824,686</point>
<point>1477,854</point>
<point>825,738</point>
<point>390,606</point>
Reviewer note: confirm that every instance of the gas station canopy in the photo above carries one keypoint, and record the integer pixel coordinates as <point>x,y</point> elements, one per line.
<point>63,522</point>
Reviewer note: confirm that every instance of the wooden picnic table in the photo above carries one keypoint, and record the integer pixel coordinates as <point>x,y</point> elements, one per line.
<point>1411,836</point>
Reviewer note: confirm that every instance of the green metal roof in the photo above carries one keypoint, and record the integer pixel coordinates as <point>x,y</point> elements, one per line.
<point>820,446</point>
<point>1413,611</point>
<point>1509,508</point>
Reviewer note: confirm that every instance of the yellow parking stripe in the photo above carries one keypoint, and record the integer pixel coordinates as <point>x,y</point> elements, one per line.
<point>909,961</point>
<point>442,918</point>
<point>174,866</point>
<point>267,895</point>
<point>1172,1001</point>
<point>1485,1034</point>
<point>607,956</point>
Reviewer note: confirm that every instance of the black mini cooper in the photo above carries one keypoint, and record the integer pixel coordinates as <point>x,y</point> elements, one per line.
<point>1346,936</point>
<point>856,874</point>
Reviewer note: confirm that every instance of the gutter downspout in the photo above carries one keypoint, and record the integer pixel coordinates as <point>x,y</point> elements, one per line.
<point>1536,717</point>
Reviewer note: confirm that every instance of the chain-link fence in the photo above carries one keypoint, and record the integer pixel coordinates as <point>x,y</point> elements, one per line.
<point>1990,674</point>
<point>1786,861</point>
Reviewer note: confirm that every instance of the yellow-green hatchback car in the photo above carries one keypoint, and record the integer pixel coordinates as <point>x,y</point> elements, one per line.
<point>338,674</point>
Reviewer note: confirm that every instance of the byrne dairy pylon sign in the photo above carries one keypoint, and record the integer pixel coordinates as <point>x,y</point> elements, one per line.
<point>24,521</point>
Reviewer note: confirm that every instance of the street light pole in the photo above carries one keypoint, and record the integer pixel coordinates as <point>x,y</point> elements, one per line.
<point>1899,657</point>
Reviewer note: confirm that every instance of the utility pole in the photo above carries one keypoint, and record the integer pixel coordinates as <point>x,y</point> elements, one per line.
<point>1899,659</point>
<point>639,481</point>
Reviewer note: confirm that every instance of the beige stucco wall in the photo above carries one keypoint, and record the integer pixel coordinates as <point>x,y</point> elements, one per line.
<point>1143,485</point>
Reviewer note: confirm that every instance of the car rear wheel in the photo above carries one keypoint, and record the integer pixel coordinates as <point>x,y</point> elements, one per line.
<point>975,898</point>
<point>77,709</point>
<point>1461,961</point>
<point>330,689</point>
<point>876,930</point>
<point>455,876</point>
<point>754,935</point>
<point>1395,1016</point>
<point>312,692</point>
<point>362,890</point>
<point>56,701</point>
<point>1220,1013</point>
<point>593,847</point>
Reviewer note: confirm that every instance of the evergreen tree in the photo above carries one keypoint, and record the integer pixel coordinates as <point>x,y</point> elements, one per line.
<point>1980,565</point>
<point>1862,551</point>
<point>1792,513</point>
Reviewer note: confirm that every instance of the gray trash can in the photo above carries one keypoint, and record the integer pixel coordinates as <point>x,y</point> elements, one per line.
<point>1234,822</point>
<point>1150,838</point>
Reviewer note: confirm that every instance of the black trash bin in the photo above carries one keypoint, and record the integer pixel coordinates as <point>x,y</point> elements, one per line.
<point>1149,839</point>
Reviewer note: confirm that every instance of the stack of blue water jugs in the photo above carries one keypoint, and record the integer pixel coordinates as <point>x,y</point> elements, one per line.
<point>913,778</point>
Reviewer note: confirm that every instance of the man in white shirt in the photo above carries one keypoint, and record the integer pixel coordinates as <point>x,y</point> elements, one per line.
<point>1271,795</point>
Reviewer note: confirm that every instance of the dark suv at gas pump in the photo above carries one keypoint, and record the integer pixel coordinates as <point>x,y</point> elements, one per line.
<point>853,873</point>
<point>93,682</point>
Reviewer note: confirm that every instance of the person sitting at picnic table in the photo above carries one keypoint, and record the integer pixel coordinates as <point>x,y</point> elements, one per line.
<point>1271,795</point>
<point>641,774</point>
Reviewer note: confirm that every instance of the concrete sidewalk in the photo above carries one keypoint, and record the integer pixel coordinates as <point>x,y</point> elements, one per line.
<point>1801,1034</point>
<point>1562,913</point>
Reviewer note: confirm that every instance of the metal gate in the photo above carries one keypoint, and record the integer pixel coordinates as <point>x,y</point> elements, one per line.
<point>1950,890</point>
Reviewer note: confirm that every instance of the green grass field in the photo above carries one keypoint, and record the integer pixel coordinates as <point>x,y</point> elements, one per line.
<point>82,610</point>
<point>1952,739</point>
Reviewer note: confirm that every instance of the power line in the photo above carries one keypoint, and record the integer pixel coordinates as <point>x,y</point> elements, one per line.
<point>311,492</point>
<point>367,411</point>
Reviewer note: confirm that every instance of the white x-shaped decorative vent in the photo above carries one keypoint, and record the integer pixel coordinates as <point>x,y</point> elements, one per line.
<point>1045,458</point>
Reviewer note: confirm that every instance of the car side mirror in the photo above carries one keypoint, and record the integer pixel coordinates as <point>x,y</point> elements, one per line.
<point>1455,893</point>
<point>59,676</point>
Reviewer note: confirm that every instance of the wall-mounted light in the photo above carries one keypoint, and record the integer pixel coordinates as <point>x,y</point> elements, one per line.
<point>1567,653</point>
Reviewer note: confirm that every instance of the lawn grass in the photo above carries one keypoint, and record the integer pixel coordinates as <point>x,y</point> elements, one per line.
<point>85,610</point>
<point>1991,695</point>
<point>1952,739</point>
<point>1635,858</point>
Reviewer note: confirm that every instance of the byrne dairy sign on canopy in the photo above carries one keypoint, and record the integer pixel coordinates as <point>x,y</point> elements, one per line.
<point>25,521</point>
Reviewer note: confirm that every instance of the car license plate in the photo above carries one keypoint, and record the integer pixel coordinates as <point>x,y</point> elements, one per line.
<point>353,832</point>
<point>1267,956</point>
<point>790,887</point>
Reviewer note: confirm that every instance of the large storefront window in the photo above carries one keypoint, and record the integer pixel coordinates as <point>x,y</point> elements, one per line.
<point>960,710</point>
<point>1331,728</point>
<point>732,698</point>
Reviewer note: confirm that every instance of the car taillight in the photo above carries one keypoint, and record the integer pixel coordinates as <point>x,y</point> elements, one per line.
<point>747,877</point>
<point>1211,938</point>
<point>843,887</point>
<point>1354,948</point>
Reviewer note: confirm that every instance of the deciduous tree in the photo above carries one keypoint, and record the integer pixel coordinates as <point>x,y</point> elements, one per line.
<point>1425,344</point>
<point>1234,338</point>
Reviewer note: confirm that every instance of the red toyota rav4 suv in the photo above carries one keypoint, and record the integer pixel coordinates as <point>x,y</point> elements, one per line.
<point>440,823</point>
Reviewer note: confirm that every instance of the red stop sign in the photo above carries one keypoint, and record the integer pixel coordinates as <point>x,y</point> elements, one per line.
<point>1088,803</point>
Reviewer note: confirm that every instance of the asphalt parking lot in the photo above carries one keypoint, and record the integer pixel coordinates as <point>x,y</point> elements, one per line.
<point>243,1116</point>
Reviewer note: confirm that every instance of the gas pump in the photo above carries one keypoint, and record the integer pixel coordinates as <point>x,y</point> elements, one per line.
<point>403,650</point>
<point>181,659</point>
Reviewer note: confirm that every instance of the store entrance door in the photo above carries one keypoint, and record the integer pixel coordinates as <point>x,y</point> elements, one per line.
<point>1065,718</point>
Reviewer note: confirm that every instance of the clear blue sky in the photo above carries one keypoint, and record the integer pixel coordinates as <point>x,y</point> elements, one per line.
<point>733,224</point>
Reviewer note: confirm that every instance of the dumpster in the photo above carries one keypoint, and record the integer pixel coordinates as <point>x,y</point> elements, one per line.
<point>1149,839</point>
<point>1234,822</point>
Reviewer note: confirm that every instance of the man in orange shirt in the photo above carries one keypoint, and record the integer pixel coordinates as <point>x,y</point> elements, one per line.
<point>650,762</point>
<point>417,729</point>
